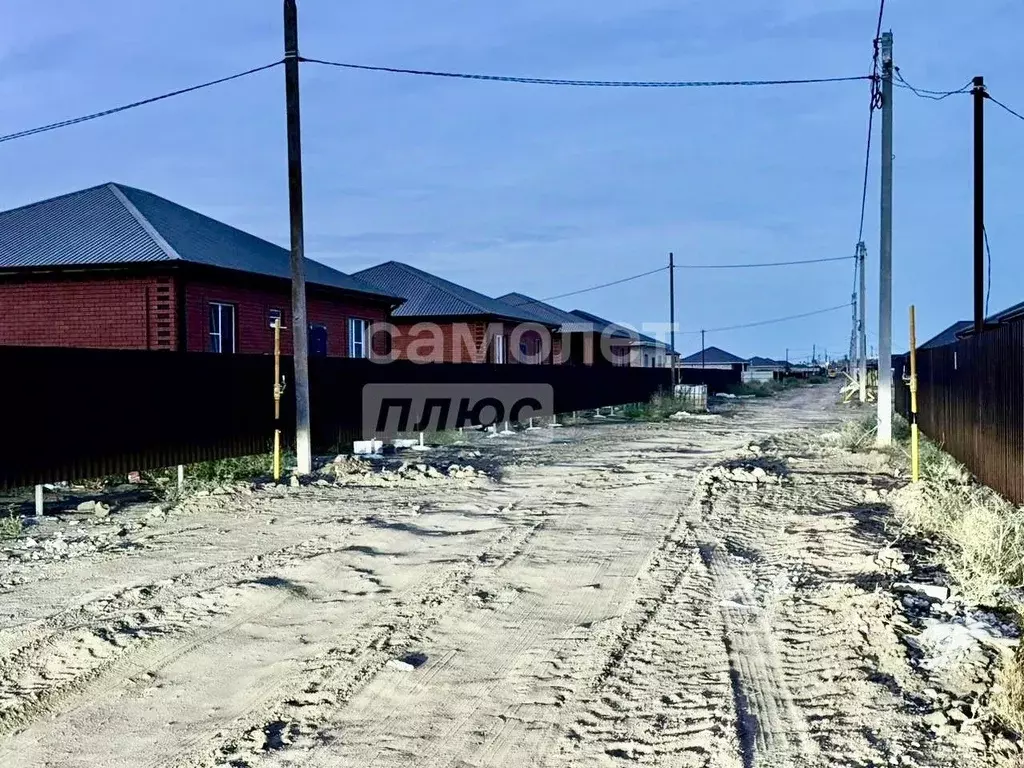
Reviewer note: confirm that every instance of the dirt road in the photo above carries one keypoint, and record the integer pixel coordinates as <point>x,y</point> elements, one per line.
<point>658,594</point>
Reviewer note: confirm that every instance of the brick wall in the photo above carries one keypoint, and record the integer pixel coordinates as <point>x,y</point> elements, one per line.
<point>253,332</point>
<point>462,341</point>
<point>111,312</point>
<point>141,312</point>
<point>439,342</point>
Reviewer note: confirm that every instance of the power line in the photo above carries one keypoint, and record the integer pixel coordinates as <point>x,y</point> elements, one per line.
<point>133,105</point>
<point>585,83</point>
<point>696,266</point>
<point>988,280</point>
<point>925,93</point>
<point>605,285</point>
<point>1000,104</point>
<point>763,264</point>
<point>844,305</point>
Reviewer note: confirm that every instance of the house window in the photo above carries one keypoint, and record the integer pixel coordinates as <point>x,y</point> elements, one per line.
<point>274,315</point>
<point>222,327</point>
<point>317,340</point>
<point>357,338</point>
<point>498,349</point>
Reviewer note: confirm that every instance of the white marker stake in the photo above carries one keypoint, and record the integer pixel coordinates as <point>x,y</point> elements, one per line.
<point>39,500</point>
<point>181,477</point>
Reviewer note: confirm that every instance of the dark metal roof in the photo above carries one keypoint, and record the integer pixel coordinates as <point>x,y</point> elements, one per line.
<point>713,356</point>
<point>760,362</point>
<point>566,321</point>
<point>1010,313</point>
<point>948,336</point>
<point>601,325</point>
<point>117,224</point>
<point>428,295</point>
<point>618,330</point>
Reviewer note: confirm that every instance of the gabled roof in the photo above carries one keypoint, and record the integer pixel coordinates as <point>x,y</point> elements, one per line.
<point>600,325</point>
<point>948,336</point>
<point>117,224</point>
<point>618,331</point>
<point>763,362</point>
<point>713,356</point>
<point>566,321</point>
<point>428,295</point>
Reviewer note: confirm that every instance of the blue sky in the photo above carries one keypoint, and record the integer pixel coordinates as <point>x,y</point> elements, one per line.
<point>544,190</point>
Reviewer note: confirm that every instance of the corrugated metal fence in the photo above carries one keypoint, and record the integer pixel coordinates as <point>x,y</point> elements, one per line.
<point>970,400</point>
<point>78,413</point>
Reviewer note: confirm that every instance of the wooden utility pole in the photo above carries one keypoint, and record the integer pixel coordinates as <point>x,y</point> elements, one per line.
<point>885,255</point>
<point>277,399</point>
<point>672,316</point>
<point>300,329</point>
<point>978,92</point>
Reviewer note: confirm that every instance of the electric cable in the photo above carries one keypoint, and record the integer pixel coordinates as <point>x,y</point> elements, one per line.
<point>583,83</point>
<point>133,105</point>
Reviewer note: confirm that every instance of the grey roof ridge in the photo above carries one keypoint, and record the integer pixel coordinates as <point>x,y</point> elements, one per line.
<point>441,284</point>
<point>150,230</point>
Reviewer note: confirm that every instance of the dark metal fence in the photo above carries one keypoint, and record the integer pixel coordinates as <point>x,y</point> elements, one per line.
<point>716,379</point>
<point>970,400</point>
<point>77,413</point>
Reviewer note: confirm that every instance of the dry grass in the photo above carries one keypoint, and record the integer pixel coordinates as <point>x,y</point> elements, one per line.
<point>980,537</point>
<point>1009,702</point>
<point>660,407</point>
<point>10,526</point>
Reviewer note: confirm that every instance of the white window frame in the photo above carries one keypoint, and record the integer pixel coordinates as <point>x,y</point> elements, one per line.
<point>498,348</point>
<point>217,337</point>
<point>358,337</point>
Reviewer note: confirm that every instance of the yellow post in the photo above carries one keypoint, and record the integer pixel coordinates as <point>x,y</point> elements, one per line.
<point>915,456</point>
<point>277,398</point>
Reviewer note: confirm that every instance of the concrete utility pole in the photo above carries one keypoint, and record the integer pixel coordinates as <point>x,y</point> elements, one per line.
<point>885,255</point>
<point>852,354</point>
<point>672,316</point>
<point>862,332</point>
<point>303,447</point>
<point>979,94</point>
<point>702,350</point>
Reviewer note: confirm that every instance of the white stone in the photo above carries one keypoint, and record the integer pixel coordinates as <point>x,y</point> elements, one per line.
<point>934,591</point>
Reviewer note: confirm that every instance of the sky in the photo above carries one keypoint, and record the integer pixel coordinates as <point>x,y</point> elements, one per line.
<point>546,190</point>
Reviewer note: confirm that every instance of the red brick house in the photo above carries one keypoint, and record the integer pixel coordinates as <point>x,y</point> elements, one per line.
<point>582,339</point>
<point>117,267</point>
<point>441,321</point>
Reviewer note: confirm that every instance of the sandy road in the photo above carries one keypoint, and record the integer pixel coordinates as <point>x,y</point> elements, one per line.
<point>613,599</point>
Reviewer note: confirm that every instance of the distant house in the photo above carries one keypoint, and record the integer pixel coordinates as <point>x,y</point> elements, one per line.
<point>648,352</point>
<point>117,267</point>
<point>628,347</point>
<point>764,369</point>
<point>576,341</point>
<point>715,358</point>
<point>442,321</point>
